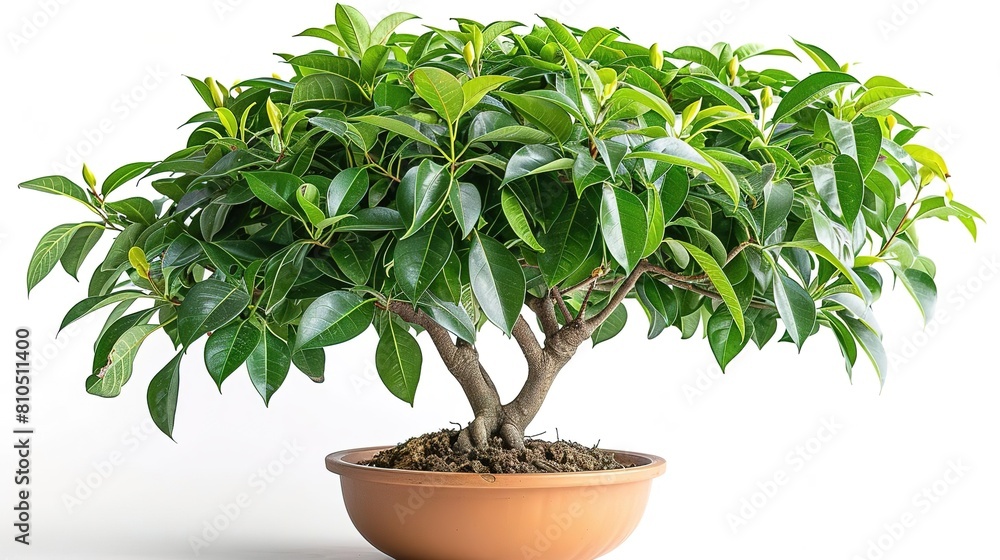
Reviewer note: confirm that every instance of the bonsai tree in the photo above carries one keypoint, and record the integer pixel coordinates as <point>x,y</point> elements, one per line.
<point>441,182</point>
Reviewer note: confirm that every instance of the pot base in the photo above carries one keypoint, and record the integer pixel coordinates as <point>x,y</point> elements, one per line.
<point>416,515</point>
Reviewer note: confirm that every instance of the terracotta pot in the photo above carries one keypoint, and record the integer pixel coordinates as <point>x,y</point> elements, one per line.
<point>412,515</point>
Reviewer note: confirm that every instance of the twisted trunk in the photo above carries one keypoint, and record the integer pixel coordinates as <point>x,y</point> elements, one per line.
<point>561,341</point>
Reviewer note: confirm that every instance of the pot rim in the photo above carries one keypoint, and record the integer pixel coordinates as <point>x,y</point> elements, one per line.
<point>345,464</point>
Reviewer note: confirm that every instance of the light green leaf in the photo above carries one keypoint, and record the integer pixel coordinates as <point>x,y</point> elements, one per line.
<point>809,90</point>
<point>475,89</point>
<point>354,29</point>
<point>514,213</point>
<point>721,282</point>
<point>109,380</point>
<point>440,90</point>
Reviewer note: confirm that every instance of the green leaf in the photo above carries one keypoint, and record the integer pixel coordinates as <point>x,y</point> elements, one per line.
<point>383,29</point>
<point>819,56</point>
<point>397,126</point>
<point>871,344</point>
<point>725,337</point>
<point>721,283</point>
<point>771,213</point>
<point>848,346</point>
<point>312,363</point>
<point>452,317</point>
<point>80,245</point>
<point>929,159</point>
<point>648,100</point>
<point>355,258</point>
<point>136,210</point>
<point>514,133</point>
<point>659,302</point>
<point>308,196</point>
<point>280,275</point>
<point>532,160</point>
<point>497,281</point>
<point>466,205</point>
<point>91,304</point>
<point>809,90</point>
<point>417,260</point>
<point>421,194</point>
<point>544,114</point>
<point>819,249</point>
<point>654,223</point>
<point>346,191</point>
<point>228,348</point>
<point>109,380</point>
<point>325,91</point>
<point>51,249</point>
<point>268,365</point>
<point>564,37</point>
<point>922,287</point>
<point>795,306</point>
<point>354,29</point>
<point>623,225</point>
<point>124,174</point>
<point>442,91</point>
<point>611,326</point>
<point>475,89</point>
<point>877,100</point>
<point>567,242</point>
<point>161,396</point>
<point>275,189</point>
<point>334,318</point>
<point>57,185</point>
<point>372,63</point>
<point>514,213</point>
<point>398,361</point>
<point>841,187</point>
<point>209,305</point>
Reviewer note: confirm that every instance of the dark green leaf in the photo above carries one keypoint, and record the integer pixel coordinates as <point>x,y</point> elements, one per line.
<point>420,258</point>
<point>209,305</point>
<point>332,319</point>
<point>809,90</point>
<point>422,193</point>
<point>568,242</point>
<point>725,337</point>
<point>268,365</point>
<point>623,225</point>
<point>228,348</point>
<point>398,360</point>
<point>497,281</point>
<point>161,396</point>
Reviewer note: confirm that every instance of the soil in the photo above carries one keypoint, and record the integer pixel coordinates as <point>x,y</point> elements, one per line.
<point>435,452</point>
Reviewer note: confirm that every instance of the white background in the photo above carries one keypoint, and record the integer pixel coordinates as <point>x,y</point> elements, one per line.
<point>724,437</point>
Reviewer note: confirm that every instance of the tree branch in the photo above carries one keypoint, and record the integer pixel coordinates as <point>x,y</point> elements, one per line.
<point>525,338</point>
<point>671,279</point>
<point>619,296</point>
<point>439,335</point>
<point>546,313</point>
<point>557,297</point>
